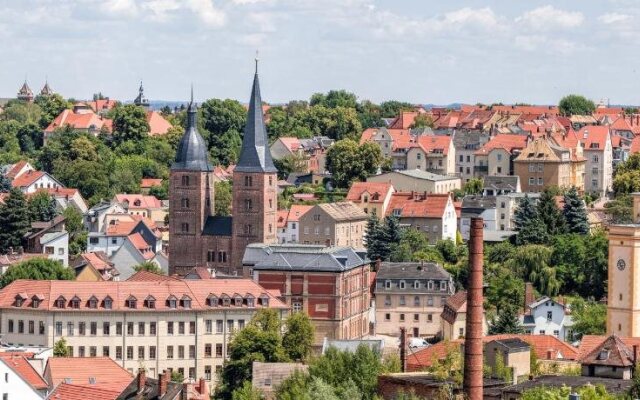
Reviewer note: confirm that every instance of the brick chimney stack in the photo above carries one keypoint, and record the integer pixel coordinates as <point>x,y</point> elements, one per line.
<point>141,379</point>
<point>163,383</point>
<point>473,360</point>
<point>528,296</point>
<point>403,349</point>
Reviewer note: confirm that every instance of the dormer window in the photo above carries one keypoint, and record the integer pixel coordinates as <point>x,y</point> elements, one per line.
<point>172,302</point>
<point>186,301</point>
<point>36,300</point>
<point>430,285</point>
<point>132,302</point>
<point>604,354</point>
<point>387,284</point>
<point>19,299</point>
<point>107,303</point>
<point>416,284</point>
<point>93,302</point>
<point>150,302</point>
<point>75,302</point>
<point>251,301</point>
<point>238,300</point>
<point>60,302</point>
<point>212,300</point>
<point>264,300</point>
<point>226,300</point>
<point>402,284</point>
<point>137,203</point>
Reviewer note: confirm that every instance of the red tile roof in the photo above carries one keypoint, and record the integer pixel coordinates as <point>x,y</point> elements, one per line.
<point>618,353</point>
<point>291,143</point>
<point>84,120</point>
<point>65,391</point>
<point>121,228</point>
<point>20,365</point>
<point>99,105</point>
<point>282,218</point>
<point>15,169</point>
<point>82,371</point>
<point>99,261</point>
<point>621,124</point>
<point>157,124</point>
<point>401,138</point>
<point>593,137</point>
<point>147,276</point>
<point>141,245</point>
<point>458,301</point>
<point>377,191</point>
<point>27,179</point>
<point>147,183</point>
<point>60,191</point>
<point>590,342</point>
<point>537,110</point>
<point>635,145</point>
<point>413,205</point>
<point>430,144</point>
<point>504,141</point>
<point>138,201</point>
<point>120,291</point>
<point>404,120</point>
<point>296,211</point>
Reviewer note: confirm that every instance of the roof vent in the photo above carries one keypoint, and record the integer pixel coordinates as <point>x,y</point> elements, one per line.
<point>92,380</point>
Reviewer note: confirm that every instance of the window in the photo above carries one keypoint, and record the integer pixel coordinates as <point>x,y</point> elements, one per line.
<point>184,203</point>
<point>540,181</point>
<point>181,328</point>
<point>401,317</point>
<point>10,326</point>
<point>49,249</point>
<point>172,302</point>
<point>416,284</point>
<point>429,317</point>
<point>93,302</point>
<point>93,351</point>
<point>208,326</point>
<point>82,328</point>
<point>430,285</point>
<point>549,315</point>
<point>114,240</point>
<point>184,227</point>
<point>443,301</point>
<point>542,332</point>
<point>402,284</point>
<point>41,327</point>
<point>152,352</point>
<point>387,317</point>
<point>152,328</point>
<point>93,328</point>
<point>192,352</point>
<point>169,352</point>
<point>58,327</point>
<point>69,328</point>
<point>192,327</point>
<point>75,302</point>
<point>416,317</point>
<point>248,206</point>
<point>105,351</point>
<point>118,328</point>
<point>140,352</point>
<point>430,301</point>
<point>499,170</point>
<point>219,323</point>
<point>229,325</point>
<point>218,350</point>
<point>32,327</point>
<point>207,372</point>
<point>296,306</point>
<point>557,333</point>
<point>208,350</point>
<point>181,352</point>
<point>248,181</point>
<point>81,351</point>
<point>170,328</point>
<point>186,302</point>
<point>141,329</point>
<point>416,301</point>
<point>402,301</point>
<point>595,158</point>
<point>118,352</point>
<point>20,326</point>
<point>240,324</point>
<point>150,302</point>
<point>443,286</point>
<point>107,303</point>
<point>129,352</point>
<point>532,181</point>
<point>387,300</point>
<point>131,302</point>
<point>185,180</point>
<point>130,328</point>
<point>387,284</point>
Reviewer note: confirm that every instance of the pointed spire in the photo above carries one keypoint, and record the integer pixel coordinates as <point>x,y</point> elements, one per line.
<point>192,152</point>
<point>255,155</point>
<point>257,59</point>
<point>191,111</point>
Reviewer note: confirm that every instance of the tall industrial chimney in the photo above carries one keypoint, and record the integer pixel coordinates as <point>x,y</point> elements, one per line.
<point>472,383</point>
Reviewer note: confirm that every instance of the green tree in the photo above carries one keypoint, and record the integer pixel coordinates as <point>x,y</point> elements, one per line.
<point>334,99</point>
<point>524,212</point>
<point>532,263</point>
<point>41,269</point>
<point>369,114</point>
<point>298,336</point>
<point>14,220</point>
<point>21,112</point>
<point>149,266</point>
<point>347,161</point>
<point>473,186</point>
<point>392,108</point>
<point>374,239</point>
<point>177,377</point>
<point>422,121</point>
<point>223,198</point>
<point>505,288</point>
<point>506,322</point>
<point>223,120</point>
<point>60,348</point>
<point>620,210</point>
<point>290,163</point>
<point>30,138</point>
<point>550,214</point>
<point>448,250</point>
<point>587,392</point>
<point>161,192</point>
<point>576,105</point>
<point>51,106</point>
<point>129,123</point>
<point>448,367</point>
<point>575,213</point>
<point>589,317</point>
<point>5,184</point>
<point>295,387</point>
<point>247,392</point>
<point>411,242</point>
<point>42,207</point>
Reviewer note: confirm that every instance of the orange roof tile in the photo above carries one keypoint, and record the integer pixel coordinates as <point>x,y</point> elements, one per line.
<point>85,120</point>
<point>98,262</point>
<point>536,110</point>
<point>139,200</point>
<point>99,105</point>
<point>82,371</point>
<point>141,245</point>
<point>296,211</point>
<point>21,366</point>
<point>504,141</point>
<point>401,138</point>
<point>590,342</point>
<point>60,191</point>
<point>147,276</point>
<point>412,205</point>
<point>431,144</point>
<point>121,228</point>
<point>291,143</point>
<point>404,120</point>
<point>593,137</point>
<point>65,391</point>
<point>373,188</point>
<point>282,218</point>
<point>16,168</point>
<point>157,124</point>
<point>120,291</point>
<point>635,145</point>
<point>146,183</point>
<point>28,178</point>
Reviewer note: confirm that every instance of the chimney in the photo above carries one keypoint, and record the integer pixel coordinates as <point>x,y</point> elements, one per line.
<point>635,357</point>
<point>378,264</point>
<point>473,356</point>
<point>185,391</point>
<point>141,379</point>
<point>163,383</point>
<point>202,387</point>
<point>403,349</point>
<point>528,296</point>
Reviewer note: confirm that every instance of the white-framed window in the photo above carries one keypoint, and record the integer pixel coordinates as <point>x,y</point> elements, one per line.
<point>594,183</point>
<point>416,284</point>
<point>296,306</point>
<point>532,181</point>
<point>499,156</point>
<point>387,284</point>
<point>596,158</point>
<point>443,286</point>
<point>387,300</point>
<point>532,167</point>
<point>540,181</point>
<point>430,285</point>
<point>402,284</point>
<point>430,301</point>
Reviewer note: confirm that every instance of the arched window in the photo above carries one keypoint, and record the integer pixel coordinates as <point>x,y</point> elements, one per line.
<point>248,181</point>
<point>185,180</point>
<point>184,227</point>
<point>185,203</point>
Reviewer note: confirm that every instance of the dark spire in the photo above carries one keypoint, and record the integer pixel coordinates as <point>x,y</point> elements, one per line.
<point>255,155</point>
<point>192,150</point>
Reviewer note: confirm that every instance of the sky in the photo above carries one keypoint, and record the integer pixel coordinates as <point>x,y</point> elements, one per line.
<point>421,51</point>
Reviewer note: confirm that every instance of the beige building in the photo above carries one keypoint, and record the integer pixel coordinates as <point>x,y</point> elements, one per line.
<point>411,295</point>
<point>334,224</point>
<point>515,353</point>
<point>371,197</point>
<point>454,317</point>
<point>435,154</point>
<point>544,164</point>
<point>496,156</point>
<point>168,324</point>
<point>598,153</point>
<point>416,180</point>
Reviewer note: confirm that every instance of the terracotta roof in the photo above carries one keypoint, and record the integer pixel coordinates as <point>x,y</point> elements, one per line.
<point>65,391</point>
<point>611,352</point>
<point>458,301</point>
<point>404,120</point>
<point>343,211</point>
<point>431,144</point>
<point>85,120</point>
<point>589,343</point>
<point>621,124</point>
<point>121,228</point>
<point>99,260</point>
<point>537,110</point>
<point>15,169</point>
<point>120,291</point>
<point>291,143</point>
<point>99,105</point>
<point>201,272</point>
<point>282,218</point>
<point>28,178</point>
<point>635,145</point>
<point>296,211</point>
<point>137,201</point>
<point>504,141</point>
<point>157,124</point>
<point>141,245</point>
<point>96,372</point>
<point>146,183</point>
<point>11,259</point>
<point>401,138</point>
<point>544,346</point>
<point>20,365</point>
<point>377,191</point>
<point>416,205</point>
<point>146,276</point>
<point>60,191</point>
<point>594,137</point>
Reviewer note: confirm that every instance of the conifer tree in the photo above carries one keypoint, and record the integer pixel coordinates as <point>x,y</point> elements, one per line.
<point>550,214</point>
<point>507,322</point>
<point>5,184</point>
<point>575,213</point>
<point>525,212</point>
<point>373,239</point>
<point>14,220</point>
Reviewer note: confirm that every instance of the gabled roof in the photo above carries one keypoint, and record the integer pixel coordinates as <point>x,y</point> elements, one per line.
<point>299,257</point>
<point>21,366</point>
<point>157,124</point>
<point>98,372</point>
<point>291,143</point>
<point>400,138</point>
<point>342,211</point>
<point>457,302</point>
<point>507,142</point>
<point>296,211</point>
<point>434,144</point>
<point>27,179</point>
<point>147,276</point>
<point>377,191</point>
<point>410,205</point>
<point>150,182</point>
<point>137,201</point>
<point>141,245</point>
<point>65,391</point>
<point>15,169</point>
<point>612,352</point>
<point>87,120</point>
<point>635,145</point>
<point>594,137</point>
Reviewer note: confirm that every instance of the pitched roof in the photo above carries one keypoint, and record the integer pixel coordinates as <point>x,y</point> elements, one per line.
<point>377,191</point>
<point>282,218</point>
<point>411,270</point>
<point>400,138</point>
<point>457,302</point>
<point>291,143</point>
<point>299,257</point>
<point>15,169</point>
<point>121,228</point>
<point>612,352</point>
<point>594,137</point>
<point>296,211</point>
<point>409,204</point>
<point>150,182</point>
<point>507,142</point>
<point>343,211</point>
<point>434,144</point>
<point>141,245</point>
<point>424,175</point>
<point>65,391</point>
<point>635,145</point>
<point>28,178</point>
<point>138,201</point>
<point>589,343</point>
<point>157,124</point>
<point>85,120</point>
<point>120,291</point>
<point>21,366</point>
<point>97,372</point>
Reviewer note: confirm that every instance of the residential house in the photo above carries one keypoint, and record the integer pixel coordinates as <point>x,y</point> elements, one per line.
<point>135,250</point>
<point>147,183</point>
<point>543,164</point>
<point>478,206</point>
<point>466,144</point>
<point>435,154</point>
<point>65,197</point>
<point>182,325</point>
<point>393,142</point>
<point>334,224</point>
<point>515,354</point>
<point>411,295</point>
<point>598,153</point>
<point>454,317</point>
<point>432,214</point>
<point>14,257</point>
<point>32,181</point>
<point>143,205</point>
<point>12,171</point>
<point>95,267</point>
<point>266,377</point>
<point>79,119</point>
<point>613,358</point>
<point>546,316</point>
<point>506,205</point>
<point>497,185</point>
<point>496,156</point>
<point>330,284</point>
<point>289,223</point>
<point>312,151</point>
<point>96,217</point>
<point>93,371</point>
<point>118,228</point>
<point>145,388</point>
<point>20,380</point>
<point>371,197</point>
<point>49,238</point>
<point>416,180</point>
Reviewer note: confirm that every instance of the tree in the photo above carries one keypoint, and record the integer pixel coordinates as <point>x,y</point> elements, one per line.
<point>290,163</point>
<point>524,212</point>
<point>60,348</point>
<point>450,366</point>
<point>576,105</point>
<point>149,266</point>
<point>42,207</point>
<point>161,192</point>
<point>507,322</point>
<point>589,317</point>
<point>334,99</point>
<point>550,214</point>
<point>5,184</point>
<point>41,269</point>
<point>619,210</point>
<point>473,186</point>
<point>575,213</point>
<point>374,240</point>
<point>532,263</point>
<point>448,250</point>
<point>247,392</point>
<point>295,387</point>
<point>177,377</point>
<point>223,198</point>
<point>223,120</point>
<point>14,220</point>
<point>392,108</point>
<point>129,123</point>
<point>587,392</point>
<point>422,121</point>
<point>298,336</point>
<point>51,106</point>
<point>347,161</point>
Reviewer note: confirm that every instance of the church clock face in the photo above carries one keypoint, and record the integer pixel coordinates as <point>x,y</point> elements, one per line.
<point>621,264</point>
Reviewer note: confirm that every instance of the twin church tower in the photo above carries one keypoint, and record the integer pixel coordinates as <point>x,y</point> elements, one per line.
<point>197,236</point>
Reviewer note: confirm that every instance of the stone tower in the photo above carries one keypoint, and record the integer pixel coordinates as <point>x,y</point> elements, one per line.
<point>25,93</point>
<point>623,303</point>
<point>191,198</point>
<point>255,192</point>
<point>141,100</point>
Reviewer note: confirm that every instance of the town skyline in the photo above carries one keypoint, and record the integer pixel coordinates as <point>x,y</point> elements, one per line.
<point>421,53</point>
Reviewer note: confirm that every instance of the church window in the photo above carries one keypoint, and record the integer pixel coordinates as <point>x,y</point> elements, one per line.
<point>270,228</point>
<point>185,203</point>
<point>247,205</point>
<point>185,180</point>
<point>270,181</point>
<point>247,229</point>
<point>184,227</point>
<point>248,181</point>
<point>270,204</point>
<point>211,256</point>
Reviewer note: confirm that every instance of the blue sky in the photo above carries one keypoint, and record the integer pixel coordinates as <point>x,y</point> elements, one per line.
<point>414,50</point>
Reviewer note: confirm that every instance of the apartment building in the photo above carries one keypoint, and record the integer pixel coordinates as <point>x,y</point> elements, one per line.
<point>167,324</point>
<point>371,197</point>
<point>411,295</point>
<point>496,156</point>
<point>334,224</point>
<point>418,181</point>
<point>598,154</point>
<point>434,215</point>
<point>435,154</point>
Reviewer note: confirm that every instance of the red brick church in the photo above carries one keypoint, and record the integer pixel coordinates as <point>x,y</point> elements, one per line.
<point>197,237</point>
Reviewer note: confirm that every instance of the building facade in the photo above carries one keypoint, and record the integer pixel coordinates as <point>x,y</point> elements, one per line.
<point>334,224</point>
<point>411,295</point>
<point>197,237</point>
<point>418,181</point>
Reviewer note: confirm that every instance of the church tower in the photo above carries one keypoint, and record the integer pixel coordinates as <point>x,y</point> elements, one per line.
<point>255,194</point>
<point>623,297</point>
<point>191,198</point>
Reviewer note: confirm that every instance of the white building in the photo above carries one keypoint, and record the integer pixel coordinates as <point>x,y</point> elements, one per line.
<point>56,246</point>
<point>31,181</point>
<point>547,317</point>
<point>598,153</point>
<point>20,381</point>
<point>100,215</point>
<point>289,226</point>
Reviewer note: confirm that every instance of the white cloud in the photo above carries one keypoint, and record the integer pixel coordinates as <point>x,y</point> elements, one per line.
<point>207,12</point>
<point>243,2</point>
<point>120,7</point>
<point>549,44</point>
<point>614,18</point>
<point>265,22</point>
<point>468,17</point>
<point>161,9</point>
<point>548,18</point>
